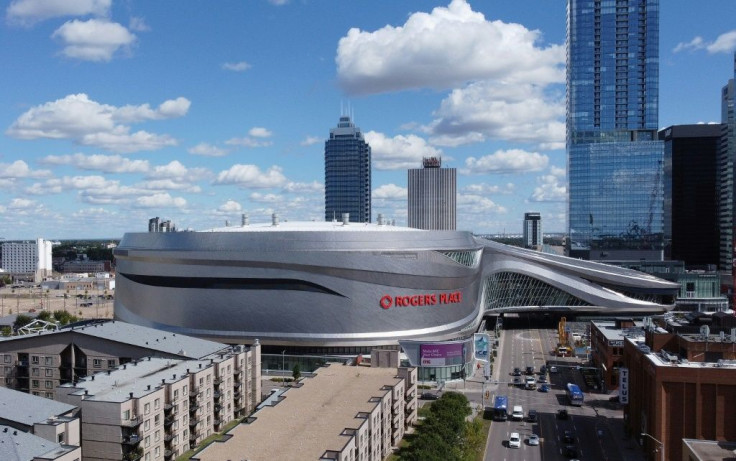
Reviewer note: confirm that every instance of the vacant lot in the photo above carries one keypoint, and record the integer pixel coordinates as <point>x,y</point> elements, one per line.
<point>89,305</point>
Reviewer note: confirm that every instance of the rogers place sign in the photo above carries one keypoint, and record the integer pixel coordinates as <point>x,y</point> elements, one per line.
<point>388,301</point>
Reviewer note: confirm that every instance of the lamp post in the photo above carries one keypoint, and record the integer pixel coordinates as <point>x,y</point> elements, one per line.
<point>661,453</point>
<point>283,368</point>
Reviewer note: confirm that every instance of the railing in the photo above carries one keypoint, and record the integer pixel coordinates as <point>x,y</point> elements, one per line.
<point>219,380</point>
<point>132,422</point>
<point>193,392</point>
<point>133,439</point>
<point>217,394</point>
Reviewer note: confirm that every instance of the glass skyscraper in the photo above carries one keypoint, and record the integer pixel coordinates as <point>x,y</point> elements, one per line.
<point>615,203</point>
<point>347,173</point>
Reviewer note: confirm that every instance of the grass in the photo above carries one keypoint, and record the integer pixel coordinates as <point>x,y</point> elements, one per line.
<point>213,438</point>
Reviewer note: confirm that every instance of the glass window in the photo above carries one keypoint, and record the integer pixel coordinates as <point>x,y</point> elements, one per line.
<point>97,363</point>
<point>49,372</point>
<point>49,361</point>
<point>146,408</point>
<point>157,403</point>
<point>35,383</point>
<point>111,363</point>
<point>35,371</point>
<point>34,359</point>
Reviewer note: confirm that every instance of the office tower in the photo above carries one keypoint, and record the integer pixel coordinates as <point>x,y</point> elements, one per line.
<point>615,205</point>
<point>433,196</point>
<point>533,230</point>
<point>347,173</point>
<point>691,229</point>
<point>29,260</point>
<point>725,182</point>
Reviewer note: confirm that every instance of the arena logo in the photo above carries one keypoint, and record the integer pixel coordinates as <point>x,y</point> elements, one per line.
<point>388,301</point>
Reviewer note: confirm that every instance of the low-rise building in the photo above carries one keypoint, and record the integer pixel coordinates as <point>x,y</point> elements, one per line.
<point>607,347</point>
<point>16,444</point>
<point>341,413</point>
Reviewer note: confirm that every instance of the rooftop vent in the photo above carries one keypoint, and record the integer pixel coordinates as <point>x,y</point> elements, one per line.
<point>275,219</point>
<point>345,219</point>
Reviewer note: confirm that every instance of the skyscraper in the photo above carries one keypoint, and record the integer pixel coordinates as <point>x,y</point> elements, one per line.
<point>615,205</point>
<point>433,196</point>
<point>347,173</point>
<point>725,182</point>
<point>691,227</point>
<point>533,230</point>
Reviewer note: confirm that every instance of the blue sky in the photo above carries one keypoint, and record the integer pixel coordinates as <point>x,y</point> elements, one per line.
<point>115,112</point>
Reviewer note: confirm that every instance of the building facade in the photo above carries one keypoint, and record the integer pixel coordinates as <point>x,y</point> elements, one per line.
<point>533,231</point>
<point>28,260</point>
<point>691,226</point>
<point>432,196</point>
<point>725,183</point>
<point>615,205</point>
<point>347,173</point>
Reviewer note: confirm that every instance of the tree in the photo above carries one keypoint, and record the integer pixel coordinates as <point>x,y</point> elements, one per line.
<point>22,320</point>
<point>296,373</point>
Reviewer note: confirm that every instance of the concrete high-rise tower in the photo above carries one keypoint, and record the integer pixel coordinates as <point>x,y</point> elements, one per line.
<point>533,230</point>
<point>433,196</point>
<point>347,173</point>
<point>615,205</point>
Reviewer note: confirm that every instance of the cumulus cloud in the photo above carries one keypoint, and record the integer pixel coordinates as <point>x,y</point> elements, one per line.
<point>502,111</point>
<point>138,24</point>
<point>447,47</point>
<point>390,192</point>
<point>88,122</point>
<point>93,39</point>
<point>471,204</point>
<point>310,140</point>
<point>257,137</point>
<point>207,150</point>
<point>20,170</point>
<point>724,43</point>
<point>230,206</point>
<point>314,187</point>
<point>160,201</point>
<point>551,188</point>
<point>257,197</point>
<point>488,189</point>
<point>28,12</point>
<point>506,161</point>
<point>236,66</point>
<point>399,152</point>
<point>251,176</point>
<point>176,171</point>
<point>98,162</point>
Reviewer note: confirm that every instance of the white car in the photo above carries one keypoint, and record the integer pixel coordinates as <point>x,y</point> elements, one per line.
<point>518,413</point>
<point>533,440</point>
<point>514,440</point>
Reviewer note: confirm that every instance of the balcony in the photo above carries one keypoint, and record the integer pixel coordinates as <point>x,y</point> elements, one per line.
<point>193,422</point>
<point>219,381</point>
<point>193,435</point>
<point>132,422</point>
<point>168,407</point>
<point>168,453</point>
<point>237,385</point>
<point>168,438</point>
<point>169,420</point>
<point>217,394</point>
<point>133,439</point>
<point>133,455</point>
<point>193,392</point>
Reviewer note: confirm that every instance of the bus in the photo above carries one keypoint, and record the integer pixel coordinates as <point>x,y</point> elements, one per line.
<point>500,408</point>
<point>574,394</point>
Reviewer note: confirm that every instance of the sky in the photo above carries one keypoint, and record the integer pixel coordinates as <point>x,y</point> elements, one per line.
<point>114,112</point>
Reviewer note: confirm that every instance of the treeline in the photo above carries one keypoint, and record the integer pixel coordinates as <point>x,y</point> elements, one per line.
<point>21,320</point>
<point>445,434</point>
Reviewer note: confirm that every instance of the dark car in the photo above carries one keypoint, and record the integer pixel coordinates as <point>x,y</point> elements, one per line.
<point>562,414</point>
<point>429,396</point>
<point>568,437</point>
<point>530,370</point>
<point>569,452</point>
<point>517,372</point>
<point>532,416</point>
<point>542,378</point>
<point>543,370</point>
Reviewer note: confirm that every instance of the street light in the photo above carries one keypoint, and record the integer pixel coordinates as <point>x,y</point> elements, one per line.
<point>660,444</point>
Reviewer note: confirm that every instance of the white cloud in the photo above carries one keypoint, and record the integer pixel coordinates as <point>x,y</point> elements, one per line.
<point>250,176</point>
<point>310,140</point>
<point>259,132</point>
<point>236,66</point>
<point>470,204</point>
<point>88,122</point>
<point>551,188</point>
<point>724,43</point>
<point>506,161</point>
<point>278,2</point>
<point>103,163</point>
<point>170,184</point>
<point>176,171</point>
<point>230,206</point>
<point>21,203</point>
<point>138,24</point>
<point>207,150</point>
<point>449,46</point>
<point>160,201</point>
<point>488,189</point>
<point>20,169</point>
<point>314,187</point>
<point>514,112</point>
<point>265,198</point>
<point>31,11</point>
<point>390,192</point>
<point>256,138</point>
<point>399,152</point>
<point>94,39</point>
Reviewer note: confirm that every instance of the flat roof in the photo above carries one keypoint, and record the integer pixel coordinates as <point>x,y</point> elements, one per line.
<point>29,409</point>
<point>711,449</point>
<point>310,418</point>
<point>611,333</point>
<point>303,226</point>
<point>15,444</point>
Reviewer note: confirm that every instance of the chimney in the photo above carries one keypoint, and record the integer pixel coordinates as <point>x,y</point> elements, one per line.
<point>345,219</point>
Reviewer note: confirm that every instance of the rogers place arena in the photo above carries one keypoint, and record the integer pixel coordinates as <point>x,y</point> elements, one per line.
<point>349,287</point>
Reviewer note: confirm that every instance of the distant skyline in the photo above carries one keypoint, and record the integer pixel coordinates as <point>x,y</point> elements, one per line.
<point>116,112</point>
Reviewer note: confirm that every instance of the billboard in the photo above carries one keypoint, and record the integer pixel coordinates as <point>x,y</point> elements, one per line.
<point>444,354</point>
<point>481,346</point>
<point>623,385</point>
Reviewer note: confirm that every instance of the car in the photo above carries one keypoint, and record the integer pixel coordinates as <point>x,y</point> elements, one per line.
<point>569,451</point>
<point>562,414</point>
<point>533,440</point>
<point>532,416</point>
<point>530,370</point>
<point>529,383</point>
<point>542,379</point>
<point>518,413</point>
<point>568,437</point>
<point>518,381</point>
<point>517,372</point>
<point>544,388</point>
<point>429,396</point>
<point>553,369</point>
<point>514,440</point>
<point>543,370</point>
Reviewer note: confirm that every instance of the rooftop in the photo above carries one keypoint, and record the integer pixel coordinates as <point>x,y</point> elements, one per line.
<point>711,449</point>
<point>316,226</point>
<point>310,419</point>
<point>28,409</point>
<point>19,445</point>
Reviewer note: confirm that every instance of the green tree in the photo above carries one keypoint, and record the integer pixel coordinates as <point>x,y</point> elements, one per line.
<point>22,320</point>
<point>46,316</point>
<point>296,372</point>
<point>6,331</point>
<point>64,317</point>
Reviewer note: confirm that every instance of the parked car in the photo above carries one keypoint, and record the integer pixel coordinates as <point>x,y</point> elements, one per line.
<point>562,414</point>
<point>530,370</point>
<point>544,388</point>
<point>553,369</point>
<point>514,440</point>
<point>543,370</point>
<point>542,379</point>
<point>517,372</point>
<point>532,416</point>
<point>429,396</point>
<point>533,440</point>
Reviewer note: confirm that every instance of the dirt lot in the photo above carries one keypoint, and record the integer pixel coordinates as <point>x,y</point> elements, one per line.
<point>22,300</point>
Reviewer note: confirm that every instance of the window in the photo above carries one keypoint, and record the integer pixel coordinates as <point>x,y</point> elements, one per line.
<point>147,425</point>
<point>157,420</point>
<point>49,384</point>
<point>7,358</point>
<point>111,364</point>
<point>126,415</point>
<point>176,394</point>
<point>49,361</point>
<point>184,390</point>
<point>157,436</point>
<point>147,441</point>
<point>157,404</point>
<point>157,452</point>
<point>146,408</point>
<point>208,378</point>
<point>61,438</point>
<point>50,395</point>
<point>49,373</point>
<point>97,363</point>
<point>34,359</point>
<point>35,383</point>
<point>34,371</point>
